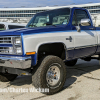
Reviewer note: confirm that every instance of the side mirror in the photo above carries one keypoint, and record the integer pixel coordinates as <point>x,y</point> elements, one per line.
<point>85,22</point>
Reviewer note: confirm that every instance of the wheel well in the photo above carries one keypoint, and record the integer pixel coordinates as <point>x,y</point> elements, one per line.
<point>57,49</point>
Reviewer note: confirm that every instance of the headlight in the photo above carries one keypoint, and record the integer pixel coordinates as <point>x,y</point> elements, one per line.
<point>17,40</point>
<point>17,45</point>
<point>18,50</point>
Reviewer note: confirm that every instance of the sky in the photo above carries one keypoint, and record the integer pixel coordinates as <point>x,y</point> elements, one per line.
<point>43,3</point>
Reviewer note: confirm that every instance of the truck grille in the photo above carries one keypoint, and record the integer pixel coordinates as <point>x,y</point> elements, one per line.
<point>6,45</point>
<point>4,40</point>
<point>4,50</point>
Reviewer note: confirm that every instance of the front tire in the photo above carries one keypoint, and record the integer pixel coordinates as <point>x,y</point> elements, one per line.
<point>51,74</point>
<point>5,77</point>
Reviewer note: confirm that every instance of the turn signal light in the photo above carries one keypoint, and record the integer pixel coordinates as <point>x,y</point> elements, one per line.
<point>30,53</point>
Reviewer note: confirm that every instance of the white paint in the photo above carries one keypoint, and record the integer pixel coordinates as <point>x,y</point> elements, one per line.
<point>83,38</point>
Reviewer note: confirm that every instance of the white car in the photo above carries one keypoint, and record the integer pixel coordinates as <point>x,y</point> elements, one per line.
<point>8,26</point>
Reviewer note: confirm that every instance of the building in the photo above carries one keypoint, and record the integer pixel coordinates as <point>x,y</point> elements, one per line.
<point>20,15</point>
<point>23,15</point>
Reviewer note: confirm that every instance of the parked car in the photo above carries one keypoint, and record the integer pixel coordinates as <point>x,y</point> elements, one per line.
<point>8,26</point>
<point>51,40</point>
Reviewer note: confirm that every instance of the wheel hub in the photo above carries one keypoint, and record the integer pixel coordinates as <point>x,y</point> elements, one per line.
<point>53,75</point>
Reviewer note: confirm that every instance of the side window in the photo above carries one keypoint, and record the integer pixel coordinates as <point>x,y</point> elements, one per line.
<point>81,14</point>
<point>74,20</point>
<point>2,27</point>
<point>61,19</point>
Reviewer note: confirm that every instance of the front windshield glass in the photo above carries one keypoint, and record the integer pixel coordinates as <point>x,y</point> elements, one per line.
<point>53,17</point>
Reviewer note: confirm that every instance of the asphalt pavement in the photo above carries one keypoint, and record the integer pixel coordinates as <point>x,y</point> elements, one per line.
<point>82,83</point>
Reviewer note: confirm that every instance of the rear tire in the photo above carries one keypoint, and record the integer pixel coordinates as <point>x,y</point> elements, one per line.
<point>71,63</point>
<point>50,68</point>
<point>5,77</point>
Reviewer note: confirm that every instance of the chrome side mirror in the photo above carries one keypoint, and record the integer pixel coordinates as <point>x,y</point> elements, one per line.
<point>85,22</point>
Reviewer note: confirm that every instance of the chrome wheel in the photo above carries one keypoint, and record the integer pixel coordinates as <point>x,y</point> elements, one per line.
<point>53,74</point>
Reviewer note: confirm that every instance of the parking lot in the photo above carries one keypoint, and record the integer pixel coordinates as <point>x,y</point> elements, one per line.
<point>82,83</point>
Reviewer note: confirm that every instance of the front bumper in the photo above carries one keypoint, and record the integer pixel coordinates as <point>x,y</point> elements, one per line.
<point>16,62</point>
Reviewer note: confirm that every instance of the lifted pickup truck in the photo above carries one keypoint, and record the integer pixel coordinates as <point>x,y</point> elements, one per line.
<point>51,40</point>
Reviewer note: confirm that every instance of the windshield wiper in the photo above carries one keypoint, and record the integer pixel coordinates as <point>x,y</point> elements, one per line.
<point>32,25</point>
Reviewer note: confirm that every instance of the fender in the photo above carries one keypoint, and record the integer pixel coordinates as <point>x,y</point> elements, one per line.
<point>38,46</point>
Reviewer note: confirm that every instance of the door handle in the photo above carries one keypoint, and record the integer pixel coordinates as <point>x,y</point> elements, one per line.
<point>70,38</point>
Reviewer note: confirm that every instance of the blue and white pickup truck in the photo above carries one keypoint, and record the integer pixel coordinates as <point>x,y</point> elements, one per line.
<point>51,40</point>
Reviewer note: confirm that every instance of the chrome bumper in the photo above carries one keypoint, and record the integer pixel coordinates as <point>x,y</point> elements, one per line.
<point>16,62</point>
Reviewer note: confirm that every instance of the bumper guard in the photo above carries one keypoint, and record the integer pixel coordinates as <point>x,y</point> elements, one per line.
<point>16,62</point>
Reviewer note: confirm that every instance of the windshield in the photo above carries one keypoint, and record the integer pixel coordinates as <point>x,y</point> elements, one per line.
<point>53,17</point>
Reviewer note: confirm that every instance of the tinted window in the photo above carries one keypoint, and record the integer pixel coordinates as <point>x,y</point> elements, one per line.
<point>81,14</point>
<point>2,27</point>
<point>15,26</point>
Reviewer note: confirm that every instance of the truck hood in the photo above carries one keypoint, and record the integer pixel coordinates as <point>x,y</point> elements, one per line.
<point>34,30</point>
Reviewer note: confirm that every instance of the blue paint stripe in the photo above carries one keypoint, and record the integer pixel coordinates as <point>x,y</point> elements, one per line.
<point>81,52</point>
<point>23,50</point>
<point>57,32</point>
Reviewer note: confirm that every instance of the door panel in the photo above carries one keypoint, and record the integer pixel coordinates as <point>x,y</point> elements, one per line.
<point>85,41</point>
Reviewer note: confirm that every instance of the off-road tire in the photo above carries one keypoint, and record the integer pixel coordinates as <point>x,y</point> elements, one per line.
<point>71,63</point>
<point>5,77</point>
<point>39,75</point>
